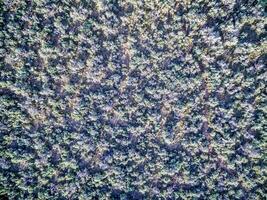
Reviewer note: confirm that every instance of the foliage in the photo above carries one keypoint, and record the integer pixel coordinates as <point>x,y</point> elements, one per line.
<point>111,99</point>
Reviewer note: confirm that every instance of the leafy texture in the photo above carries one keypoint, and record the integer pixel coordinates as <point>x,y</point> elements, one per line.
<point>110,99</point>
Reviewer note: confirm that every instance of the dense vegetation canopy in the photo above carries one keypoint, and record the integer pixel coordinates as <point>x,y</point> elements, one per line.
<point>133,99</point>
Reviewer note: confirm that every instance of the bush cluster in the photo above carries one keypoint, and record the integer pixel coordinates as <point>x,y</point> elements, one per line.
<point>133,99</point>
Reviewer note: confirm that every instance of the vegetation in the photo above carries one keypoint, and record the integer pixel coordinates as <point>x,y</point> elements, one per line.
<point>145,99</point>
